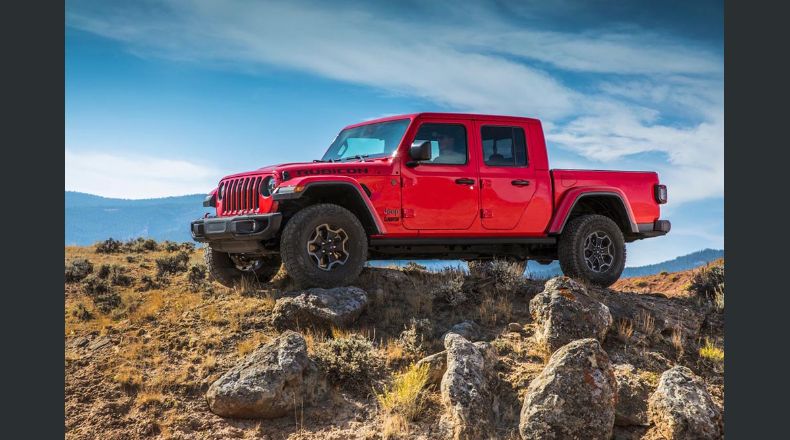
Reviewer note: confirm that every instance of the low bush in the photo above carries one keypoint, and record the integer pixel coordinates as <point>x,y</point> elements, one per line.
<point>77,270</point>
<point>196,276</point>
<point>707,280</point>
<point>101,292</point>
<point>109,246</point>
<point>351,361</point>
<point>140,245</point>
<point>172,264</point>
<point>448,287</point>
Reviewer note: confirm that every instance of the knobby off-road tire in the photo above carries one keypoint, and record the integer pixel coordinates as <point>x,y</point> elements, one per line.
<point>480,268</point>
<point>222,269</point>
<point>585,248</point>
<point>323,227</point>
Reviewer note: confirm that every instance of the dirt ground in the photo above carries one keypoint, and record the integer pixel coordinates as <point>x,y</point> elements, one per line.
<point>143,343</point>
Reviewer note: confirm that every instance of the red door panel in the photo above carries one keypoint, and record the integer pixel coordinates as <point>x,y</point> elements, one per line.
<point>442,196</point>
<point>508,180</point>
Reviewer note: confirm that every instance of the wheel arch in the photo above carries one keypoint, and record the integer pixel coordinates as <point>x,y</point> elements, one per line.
<point>348,194</point>
<point>611,203</point>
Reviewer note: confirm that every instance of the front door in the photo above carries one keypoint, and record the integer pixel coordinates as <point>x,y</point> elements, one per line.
<point>443,193</point>
<point>507,179</point>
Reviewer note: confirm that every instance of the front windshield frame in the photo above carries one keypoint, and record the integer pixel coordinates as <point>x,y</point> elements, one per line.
<point>391,144</point>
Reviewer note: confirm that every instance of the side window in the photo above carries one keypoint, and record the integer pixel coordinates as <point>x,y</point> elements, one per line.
<point>504,146</point>
<point>448,143</point>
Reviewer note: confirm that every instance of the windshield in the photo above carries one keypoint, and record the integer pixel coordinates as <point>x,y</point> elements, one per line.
<point>372,140</point>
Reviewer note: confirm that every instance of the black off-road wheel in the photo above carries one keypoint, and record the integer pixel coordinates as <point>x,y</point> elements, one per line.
<point>591,249</point>
<point>323,245</point>
<point>228,269</point>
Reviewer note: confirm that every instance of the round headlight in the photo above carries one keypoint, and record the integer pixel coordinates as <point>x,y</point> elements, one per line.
<point>268,185</point>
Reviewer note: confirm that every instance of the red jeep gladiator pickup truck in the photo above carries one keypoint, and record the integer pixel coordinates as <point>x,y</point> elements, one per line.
<point>427,185</point>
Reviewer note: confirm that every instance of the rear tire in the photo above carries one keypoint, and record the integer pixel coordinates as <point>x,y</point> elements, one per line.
<point>222,268</point>
<point>592,249</point>
<point>324,245</point>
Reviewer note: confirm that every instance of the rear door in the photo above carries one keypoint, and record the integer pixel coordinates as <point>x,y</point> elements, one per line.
<point>443,193</point>
<point>506,178</point>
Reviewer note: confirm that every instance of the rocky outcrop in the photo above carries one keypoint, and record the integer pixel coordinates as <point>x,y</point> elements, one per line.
<point>632,394</point>
<point>573,397</point>
<point>469,329</point>
<point>436,364</point>
<point>465,390</point>
<point>681,408</point>
<point>268,383</point>
<point>319,308</point>
<point>565,312</point>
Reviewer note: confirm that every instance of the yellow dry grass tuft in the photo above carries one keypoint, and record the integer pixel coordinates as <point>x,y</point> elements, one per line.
<point>248,345</point>
<point>711,352</point>
<point>404,394</point>
<point>647,323</point>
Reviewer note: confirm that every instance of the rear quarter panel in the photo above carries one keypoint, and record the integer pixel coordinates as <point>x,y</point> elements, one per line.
<point>636,187</point>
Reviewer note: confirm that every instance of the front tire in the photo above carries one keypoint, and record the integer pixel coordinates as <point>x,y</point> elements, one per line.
<point>223,269</point>
<point>592,249</point>
<point>324,245</point>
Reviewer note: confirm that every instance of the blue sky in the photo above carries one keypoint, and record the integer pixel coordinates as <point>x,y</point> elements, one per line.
<point>164,98</point>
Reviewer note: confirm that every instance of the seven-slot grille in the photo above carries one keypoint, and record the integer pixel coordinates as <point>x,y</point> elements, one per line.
<point>241,195</point>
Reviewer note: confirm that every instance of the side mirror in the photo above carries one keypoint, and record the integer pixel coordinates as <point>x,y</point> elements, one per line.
<point>420,150</point>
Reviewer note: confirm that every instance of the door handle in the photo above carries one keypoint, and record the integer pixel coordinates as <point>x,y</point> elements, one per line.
<point>519,182</point>
<point>464,181</point>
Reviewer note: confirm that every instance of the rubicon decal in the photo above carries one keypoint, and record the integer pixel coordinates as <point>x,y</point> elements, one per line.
<point>330,171</point>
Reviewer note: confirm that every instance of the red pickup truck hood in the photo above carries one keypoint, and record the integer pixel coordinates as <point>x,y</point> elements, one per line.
<point>300,169</point>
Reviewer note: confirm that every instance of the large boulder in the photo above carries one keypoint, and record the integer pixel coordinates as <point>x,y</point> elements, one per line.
<point>270,382</point>
<point>681,408</point>
<point>632,393</point>
<point>469,329</point>
<point>319,308</point>
<point>573,397</point>
<point>565,312</point>
<point>436,365</point>
<point>465,390</point>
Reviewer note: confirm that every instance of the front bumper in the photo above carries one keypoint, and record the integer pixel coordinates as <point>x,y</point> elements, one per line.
<point>243,233</point>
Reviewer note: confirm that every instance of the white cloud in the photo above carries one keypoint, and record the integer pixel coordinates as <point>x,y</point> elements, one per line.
<point>135,177</point>
<point>642,83</point>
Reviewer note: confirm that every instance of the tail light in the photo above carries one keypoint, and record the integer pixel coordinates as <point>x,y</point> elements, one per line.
<point>660,193</point>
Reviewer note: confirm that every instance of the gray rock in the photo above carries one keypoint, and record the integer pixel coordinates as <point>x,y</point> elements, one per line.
<point>565,312</point>
<point>437,365</point>
<point>632,394</point>
<point>271,382</point>
<point>468,329</point>
<point>681,408</point>
<point>573,397</point>
<point>319,308</point>
<point>515,327</point>
<point>465,390</point>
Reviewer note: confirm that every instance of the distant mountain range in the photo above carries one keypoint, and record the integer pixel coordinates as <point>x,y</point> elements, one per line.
<point>91,218</point>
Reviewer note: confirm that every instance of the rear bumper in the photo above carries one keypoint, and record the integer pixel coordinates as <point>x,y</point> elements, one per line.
<point>655,229</point>
<point>242,233</point>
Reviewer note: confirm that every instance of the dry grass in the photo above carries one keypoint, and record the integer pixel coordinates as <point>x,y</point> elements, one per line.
<point>494,310</point>
<point>677,340</point>
<point>541,351</point>
<point>394,426</point>
<point>718,297</point>
<point>246,346</point>
<point>647,324</point>
<point>625,329</point>
<point>711,352</point>
<point>404,394</point>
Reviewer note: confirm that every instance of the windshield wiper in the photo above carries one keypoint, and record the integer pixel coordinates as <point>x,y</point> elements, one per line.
<point>357,157</point>
<point>322,161</point>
